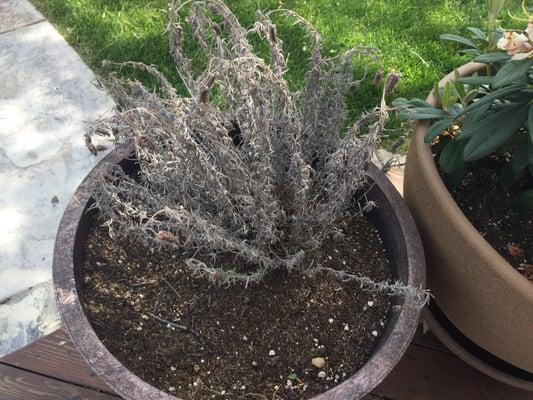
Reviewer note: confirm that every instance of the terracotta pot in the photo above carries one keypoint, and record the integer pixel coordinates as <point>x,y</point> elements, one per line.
<point>392,218</point>
<point>483,308</point>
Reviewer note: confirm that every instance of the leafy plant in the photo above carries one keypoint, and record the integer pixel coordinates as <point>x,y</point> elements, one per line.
<point>482,115</point>
<point>243,169</point>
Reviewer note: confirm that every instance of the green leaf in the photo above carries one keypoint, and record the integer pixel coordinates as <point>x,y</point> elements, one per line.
<point>292,376</point>
<point>459,86</point>
<point>489,98</point>
<point>402,102</point>
<point>495,7</point>
<point>470,96</point>
<point>495,131</point>
<point>471,122</point>
<point>451,157</point>
<point>436,129</point>
<point>492,58</point>
<point>474,52</point>
<point>455,110</point>
<point>458,39</point>
<point>512,72</point>
<point>520,158</point>
<point>436,92</point>
<point>530,122</point>
<point>524,202</point>
<point>478,33</point>
<point>477,80</point>
<point>497,35</point>
<point>427,113</point>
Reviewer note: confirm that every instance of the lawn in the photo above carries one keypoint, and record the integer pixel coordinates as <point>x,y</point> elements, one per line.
<point>405,31</point>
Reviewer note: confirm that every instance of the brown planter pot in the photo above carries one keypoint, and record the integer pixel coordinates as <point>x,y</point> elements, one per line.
<point>483,308</point>
<point>392,218</point>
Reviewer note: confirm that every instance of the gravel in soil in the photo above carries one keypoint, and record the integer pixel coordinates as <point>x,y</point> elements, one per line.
<point>487,205</point>
<point>290,337</point>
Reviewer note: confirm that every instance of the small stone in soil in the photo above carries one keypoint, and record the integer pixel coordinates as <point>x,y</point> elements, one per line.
<point>271,353</point>
<point>321,374</point>
<point>318,362</point>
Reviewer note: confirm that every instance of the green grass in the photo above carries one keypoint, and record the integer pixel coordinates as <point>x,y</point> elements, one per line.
<point>405,31</point>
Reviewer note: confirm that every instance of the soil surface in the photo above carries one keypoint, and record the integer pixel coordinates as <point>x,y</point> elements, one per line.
<point>198,341</point>
<point>488,207</point>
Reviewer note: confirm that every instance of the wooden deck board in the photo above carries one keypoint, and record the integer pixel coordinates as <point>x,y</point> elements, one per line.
<point>428,374</point>
<point>17,384</point>
<point>55,356</point>
<point>428,371</point>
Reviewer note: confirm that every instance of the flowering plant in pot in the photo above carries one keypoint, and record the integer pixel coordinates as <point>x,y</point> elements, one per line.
<point>472,158</point>
<point>236,240</point>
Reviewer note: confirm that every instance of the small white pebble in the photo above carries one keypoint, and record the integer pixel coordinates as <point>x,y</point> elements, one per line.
<point>375,333</point>
<point>276,387</point>
<point>370,303</point>
<point>289,383</point>
<point>222,392</point>
<point>321,374</point>
<point>318,362</point>
<point>243,387</point>
<point>172,389</point>
<point>245,338</point>
<point>346,327</point>
<point>271,353</point>
<point>330,320</point>
<point>254,364</point>
<point>195,383</point>
<point>172,368</point>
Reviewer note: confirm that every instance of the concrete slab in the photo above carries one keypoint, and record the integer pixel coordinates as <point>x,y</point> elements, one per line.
<point>17,13</point>
<point>45,99</point>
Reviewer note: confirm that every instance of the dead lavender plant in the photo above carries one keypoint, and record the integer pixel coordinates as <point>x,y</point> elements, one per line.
<point>243,167</point>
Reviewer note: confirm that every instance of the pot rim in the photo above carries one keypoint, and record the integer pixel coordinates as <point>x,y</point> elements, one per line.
<point>446,202</point>
<point>386,355</point>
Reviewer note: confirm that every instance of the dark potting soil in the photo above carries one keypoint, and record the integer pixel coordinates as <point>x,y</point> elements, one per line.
<point>488,207</point>
<point>235,342</point>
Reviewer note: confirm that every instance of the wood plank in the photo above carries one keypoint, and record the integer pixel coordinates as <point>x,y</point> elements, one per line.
<point>16,384</point>
<point>427,374</point>
<point>55,356</point>
<point>428,340</point>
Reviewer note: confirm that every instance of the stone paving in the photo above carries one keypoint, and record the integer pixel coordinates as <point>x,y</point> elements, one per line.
<point>46,97</point>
